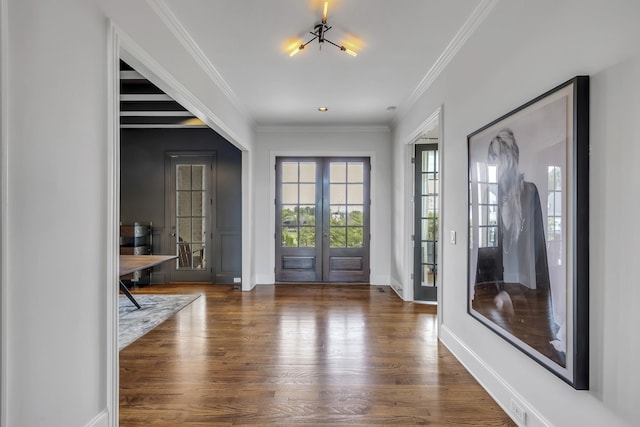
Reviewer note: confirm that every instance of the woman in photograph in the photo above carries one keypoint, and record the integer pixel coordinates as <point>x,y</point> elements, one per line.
<point>522,302</point>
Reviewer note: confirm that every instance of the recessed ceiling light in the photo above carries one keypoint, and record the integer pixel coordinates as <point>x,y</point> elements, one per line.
<point>391,108</point>
<point>323,109</point>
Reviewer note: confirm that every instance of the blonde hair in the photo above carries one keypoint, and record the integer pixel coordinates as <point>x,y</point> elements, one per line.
<point>504,150</point>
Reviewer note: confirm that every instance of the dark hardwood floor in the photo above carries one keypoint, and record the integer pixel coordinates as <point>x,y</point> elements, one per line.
<point>315,355</point>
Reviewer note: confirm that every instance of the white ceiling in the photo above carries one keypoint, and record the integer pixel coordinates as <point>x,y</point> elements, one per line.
<point>398,43</point>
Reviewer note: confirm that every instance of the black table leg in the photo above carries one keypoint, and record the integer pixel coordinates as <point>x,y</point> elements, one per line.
<point>125,291</point>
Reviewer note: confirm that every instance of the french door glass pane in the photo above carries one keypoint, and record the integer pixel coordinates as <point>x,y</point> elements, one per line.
<point>198,174</point>
<point>338,215</point>
<point>338,237</point>
<point>290,172</point>
<point>338,172</point>
<point>337,194</point>
<point>289,193</point>
<point>354,237</point>
<point>355,194</point>
<point>183,177</point>
<point>290,215</point>
<point>307,215</point>
<point>191,216</point>
<point>429,216</point>
<point>307,237</point>
<point>356,215</point>
<point>298,204</point>
<point>184,203</point>
<point>307,172</point>
<point>355,172</point>
<point>307,193</point>
<point>346,197</point>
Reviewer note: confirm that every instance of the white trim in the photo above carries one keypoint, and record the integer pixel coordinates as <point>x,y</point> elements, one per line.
<point>100,420</point>
<point>131,75</point>
<point>4,197</point>
<point>162,126</point>
<point>409,221</point>
<point>499,389</point>
<point>180,32</point>
<point>155,114</point>
<point>150,97</point>
<point>248,281</point>
<point>112,224</point>
<point>397,287</point>
<point>442,221</point>
<point>464,33</point>
<point>429,123</point>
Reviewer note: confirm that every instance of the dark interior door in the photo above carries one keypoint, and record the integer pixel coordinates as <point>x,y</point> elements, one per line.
<point>322,219</point>
<point>192,216</point>
<point>426,205</point>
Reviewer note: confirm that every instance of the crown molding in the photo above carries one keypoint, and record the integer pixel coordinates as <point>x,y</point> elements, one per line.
<point>464,33</point>
<point>180,32</point>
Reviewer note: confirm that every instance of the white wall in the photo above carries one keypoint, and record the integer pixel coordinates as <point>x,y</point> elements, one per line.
<point>56,362</point>
<point>55,266</point>
<point>373,142</point>
<point>522,50</point>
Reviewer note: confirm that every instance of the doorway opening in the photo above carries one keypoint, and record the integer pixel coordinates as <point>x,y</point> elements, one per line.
<point>322,219</point>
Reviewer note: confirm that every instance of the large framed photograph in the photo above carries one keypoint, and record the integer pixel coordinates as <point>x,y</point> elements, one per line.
<point>529,229</point>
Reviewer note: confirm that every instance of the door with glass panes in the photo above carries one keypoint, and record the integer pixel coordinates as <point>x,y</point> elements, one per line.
<point>322,219</point>
<point>191,211</point>
<point>426,205</point>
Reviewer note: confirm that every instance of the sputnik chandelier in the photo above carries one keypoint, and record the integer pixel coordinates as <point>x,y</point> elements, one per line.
<point>318,34</point>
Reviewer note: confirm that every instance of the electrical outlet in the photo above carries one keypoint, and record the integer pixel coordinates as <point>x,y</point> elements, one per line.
<point>237,280</point>
<point>518,412</point>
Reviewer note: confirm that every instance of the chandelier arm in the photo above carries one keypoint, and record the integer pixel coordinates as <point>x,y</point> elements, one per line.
<point>315,36</point>
<point>336,45</point>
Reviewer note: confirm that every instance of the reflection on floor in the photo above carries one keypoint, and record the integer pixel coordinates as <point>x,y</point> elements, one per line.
<point>298,354</point>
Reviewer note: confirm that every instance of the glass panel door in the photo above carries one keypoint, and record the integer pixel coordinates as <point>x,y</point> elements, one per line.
<point>427,218</point>
<point>346,250</point>
<point>191,217</point>
<point>322,224</point>
<point>298,230</point>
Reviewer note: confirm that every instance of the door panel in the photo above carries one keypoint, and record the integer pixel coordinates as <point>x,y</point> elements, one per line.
<point>322,219</point>
<point>298,194</point>
<point>191,217</point>
<point>426,222</point>
<point>346,245</point>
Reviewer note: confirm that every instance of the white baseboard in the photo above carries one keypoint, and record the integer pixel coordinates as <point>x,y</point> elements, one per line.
<point>100,420</point>
<point>501,391</point>
<point>397,287</point>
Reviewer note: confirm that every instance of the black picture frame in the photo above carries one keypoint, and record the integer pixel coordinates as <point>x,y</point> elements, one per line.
<point>528,252</point>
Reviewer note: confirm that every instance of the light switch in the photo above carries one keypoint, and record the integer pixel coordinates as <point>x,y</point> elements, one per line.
<point>453,237</point>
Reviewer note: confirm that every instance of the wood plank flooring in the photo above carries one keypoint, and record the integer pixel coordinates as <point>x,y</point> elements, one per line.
<point>302,354</point>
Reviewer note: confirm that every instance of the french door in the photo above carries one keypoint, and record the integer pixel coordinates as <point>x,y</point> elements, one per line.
<point>426,205</point>
<point>322,219</point>
<point>191,209</point>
